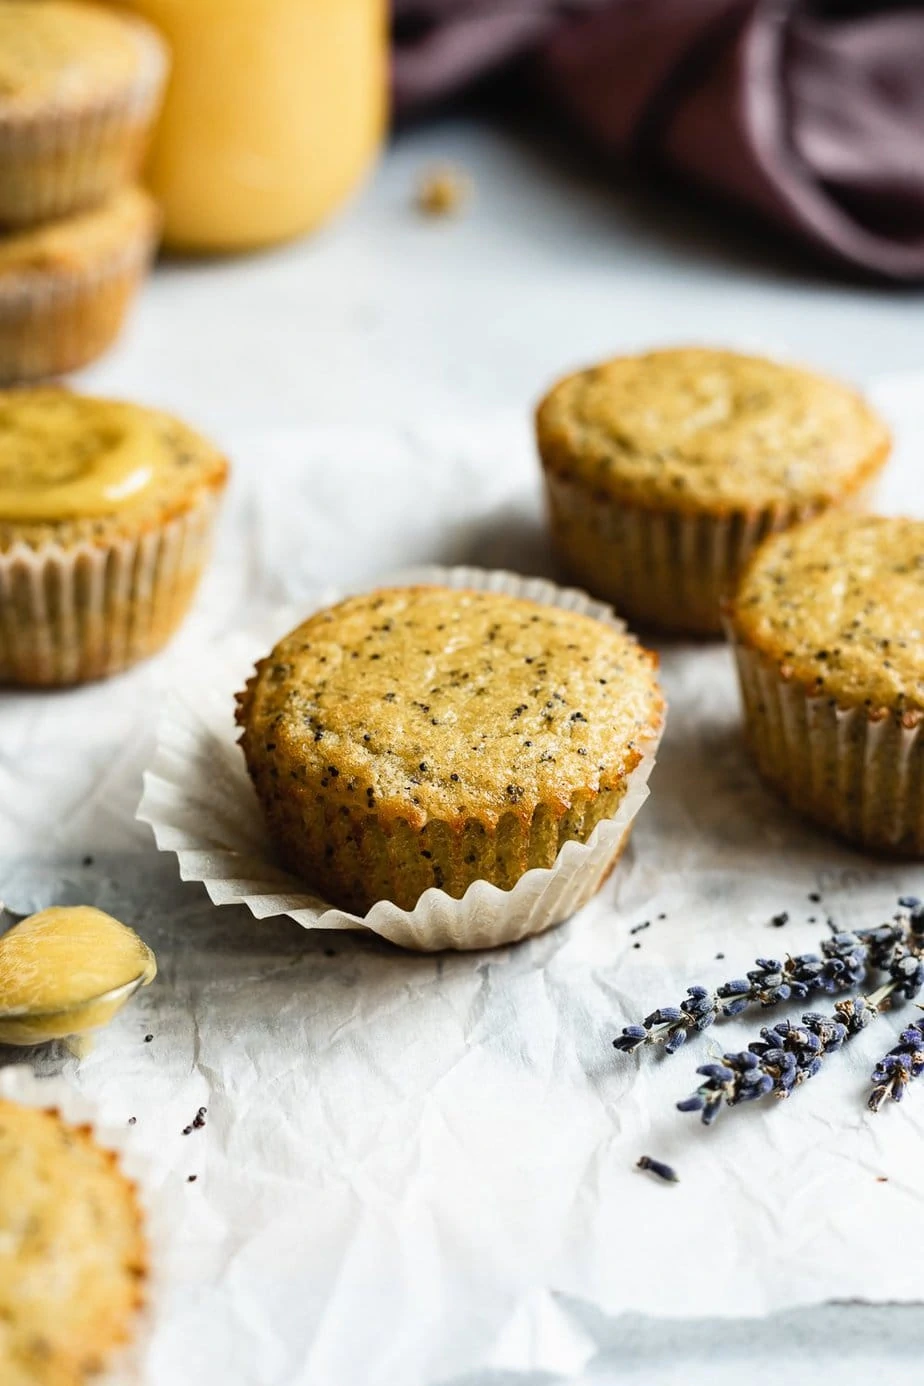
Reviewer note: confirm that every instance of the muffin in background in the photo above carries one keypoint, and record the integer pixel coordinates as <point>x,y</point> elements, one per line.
<point>420,737</point>
<point>106,516</point>
<point>828,632</point>
<point>664,471</point>
<point>80,88</point>
<point>66,286</point>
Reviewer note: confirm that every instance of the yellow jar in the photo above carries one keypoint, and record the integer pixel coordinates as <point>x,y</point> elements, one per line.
<point>274,110</point>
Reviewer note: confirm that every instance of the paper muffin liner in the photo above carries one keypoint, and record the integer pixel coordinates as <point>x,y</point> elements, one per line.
<point>57,321</point>
<point>19,1084</point>
<point>858,772</point>
<point>71,614</point>
<point>199,800</point>
<point>657,567</point>
<point>58,162</point>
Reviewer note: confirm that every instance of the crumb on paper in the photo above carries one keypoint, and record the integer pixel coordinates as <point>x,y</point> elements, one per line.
<point>443,192</point>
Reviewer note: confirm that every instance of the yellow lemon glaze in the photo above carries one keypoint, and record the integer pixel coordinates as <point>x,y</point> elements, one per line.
<point>66,971</point>
<point>52,470</point>
<point>273,112</point>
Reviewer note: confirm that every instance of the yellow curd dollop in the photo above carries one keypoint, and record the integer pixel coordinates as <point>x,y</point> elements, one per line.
<point>67,971</point>
<point>273,113</point>
<point>52,470</point>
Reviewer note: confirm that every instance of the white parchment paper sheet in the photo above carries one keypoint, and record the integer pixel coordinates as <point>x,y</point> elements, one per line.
<point>416,1167</point>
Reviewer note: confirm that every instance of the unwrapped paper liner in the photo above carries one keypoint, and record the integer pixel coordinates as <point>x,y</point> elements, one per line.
<point>19,1084</point>
<point>199,801</point>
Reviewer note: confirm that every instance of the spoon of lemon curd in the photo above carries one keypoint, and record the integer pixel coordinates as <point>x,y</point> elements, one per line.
<point>67,971</point>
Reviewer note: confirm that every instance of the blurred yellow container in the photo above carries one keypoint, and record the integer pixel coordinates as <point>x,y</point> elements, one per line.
<point>274,110</point>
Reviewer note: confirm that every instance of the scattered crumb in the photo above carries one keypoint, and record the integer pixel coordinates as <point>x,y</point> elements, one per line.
<point>662,916</point>
<point>191,1178</point>
<point>442,192</point>
<point>637,928</point>
<point>132,1120</point>
<point>815,897</point>
<point>882,1179</point>
<point>719,957</point>
<point>657,1168</point>
<point>779,920</point>
<point>88,861</point>
<point>148,1038</point>
<point>636,945</point>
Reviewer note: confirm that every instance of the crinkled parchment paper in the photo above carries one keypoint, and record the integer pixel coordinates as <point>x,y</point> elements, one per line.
<point>416,1166</point>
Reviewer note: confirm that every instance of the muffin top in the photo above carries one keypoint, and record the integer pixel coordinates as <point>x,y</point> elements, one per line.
<point>75,468</point>
<point>839,604</point>
<point>700,430</point>
<point>433,703</point>
<point>79,242</point>
<point>62,55</point>
<point>72,1250</point>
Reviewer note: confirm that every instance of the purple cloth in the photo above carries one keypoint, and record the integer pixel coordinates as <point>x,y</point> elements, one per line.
<point>809,114</point>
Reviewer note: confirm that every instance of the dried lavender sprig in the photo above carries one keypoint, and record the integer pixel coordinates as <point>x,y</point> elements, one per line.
<point>843,963</point>
<point>905,1060</point>
<point>896,1069</point>
<point>786,1056</point>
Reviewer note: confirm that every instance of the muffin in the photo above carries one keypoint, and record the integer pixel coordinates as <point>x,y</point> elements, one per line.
<point>65,286</point>
<point>72,1251</point>
<point>828,631</point>
<point>663,472</point>
<point>106,512</point>
<point>420,737</point>
<point>80,87</point>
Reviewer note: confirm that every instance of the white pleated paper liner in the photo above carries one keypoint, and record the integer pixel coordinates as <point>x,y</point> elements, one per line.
<point>199,801</point>
<point>19,1084</point>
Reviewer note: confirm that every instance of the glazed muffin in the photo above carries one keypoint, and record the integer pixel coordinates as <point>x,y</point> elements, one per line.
<point>664,471</point>
<point>828,630</point>
<point>421,737</point>
<point>80,87</point>
<point>65,287</point>
<point>72,1251</point>
<point>106,513</point>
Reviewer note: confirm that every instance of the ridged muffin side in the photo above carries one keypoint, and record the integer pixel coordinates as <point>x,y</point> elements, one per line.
<point>73,1253</point>
<point>426,736</point>
<point>88,594</point>
<point>664,472</point>
<point>80,87</point>
<point>65,287</point>
<point>828,631</point>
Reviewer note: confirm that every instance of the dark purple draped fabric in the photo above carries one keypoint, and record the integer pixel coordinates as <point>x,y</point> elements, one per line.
<point>812,117</point>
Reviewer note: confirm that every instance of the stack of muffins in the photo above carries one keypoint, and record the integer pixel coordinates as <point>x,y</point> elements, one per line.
<point>80,88</point>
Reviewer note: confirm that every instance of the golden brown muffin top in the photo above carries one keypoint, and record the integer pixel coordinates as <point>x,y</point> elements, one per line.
<point>63,55</point>
<point>839,604</point>
<point>693,429</point>
<point>428,703</point>
<point>92,238</point>
<point>72,1250</point>
<point>76,468</point>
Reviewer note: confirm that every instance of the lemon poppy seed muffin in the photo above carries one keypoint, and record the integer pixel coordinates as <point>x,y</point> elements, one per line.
<point>427,736</point>
<point>72,1251</point>
<point>828,629</point>
<point>106,513</point>
<point>664,471</point>
<point>79,89</point>
<point>65,286</point>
